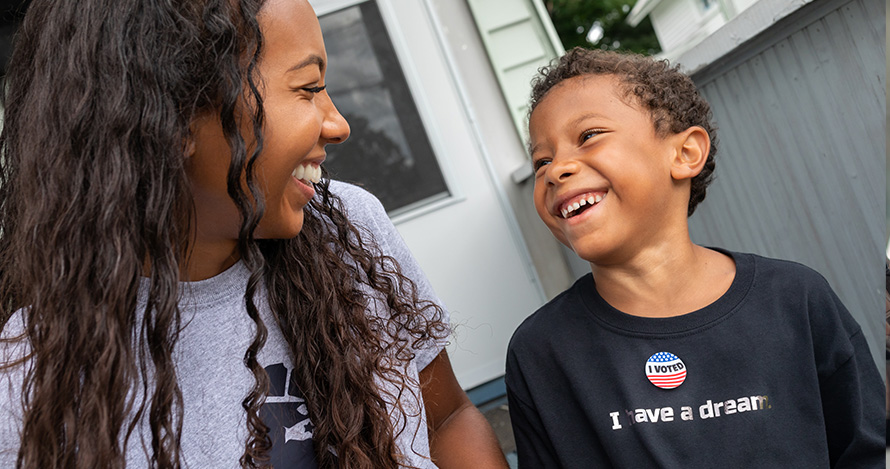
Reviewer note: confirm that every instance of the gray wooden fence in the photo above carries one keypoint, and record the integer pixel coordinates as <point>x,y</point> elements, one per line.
<point>801,167</point>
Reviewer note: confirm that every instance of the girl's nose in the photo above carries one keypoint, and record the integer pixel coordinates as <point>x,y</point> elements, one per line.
<point>334,129</point>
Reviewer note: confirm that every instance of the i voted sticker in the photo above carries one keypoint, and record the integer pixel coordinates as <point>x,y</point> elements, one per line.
<point>665,370</point>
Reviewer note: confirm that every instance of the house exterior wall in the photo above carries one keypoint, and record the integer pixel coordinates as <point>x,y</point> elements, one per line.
<point>677,22</point>
<point>801,162</point>
<point>681,24</point>
<point>519,41</point>
<point>486,64</point>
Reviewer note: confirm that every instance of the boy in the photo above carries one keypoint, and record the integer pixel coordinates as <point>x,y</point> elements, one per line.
<point>671,354</point>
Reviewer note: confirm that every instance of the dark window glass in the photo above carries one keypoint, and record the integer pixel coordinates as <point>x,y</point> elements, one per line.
<point>388,152</point>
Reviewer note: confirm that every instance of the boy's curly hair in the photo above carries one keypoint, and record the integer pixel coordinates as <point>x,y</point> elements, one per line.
<point>671,97</point>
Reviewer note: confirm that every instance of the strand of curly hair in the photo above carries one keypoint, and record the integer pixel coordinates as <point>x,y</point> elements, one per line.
<point>99,98</point>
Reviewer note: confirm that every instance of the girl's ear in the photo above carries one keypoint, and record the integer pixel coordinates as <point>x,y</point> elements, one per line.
<point>693,146</point>
<point>191,145</point>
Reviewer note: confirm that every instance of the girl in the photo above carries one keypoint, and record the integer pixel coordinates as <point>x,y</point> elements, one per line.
<point>184,289</point>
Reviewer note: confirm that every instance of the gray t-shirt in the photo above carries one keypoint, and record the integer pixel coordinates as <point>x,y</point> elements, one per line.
<point>214,380</point>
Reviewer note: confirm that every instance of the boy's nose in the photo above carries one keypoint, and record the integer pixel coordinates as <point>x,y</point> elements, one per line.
<point>561,170</point>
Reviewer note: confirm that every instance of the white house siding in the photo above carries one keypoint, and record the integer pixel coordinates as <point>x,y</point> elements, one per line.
<point>741,5</point>
<point>678,22</point>
<point>801,165</point>
<point>681,24</point>
<point>519,41</point>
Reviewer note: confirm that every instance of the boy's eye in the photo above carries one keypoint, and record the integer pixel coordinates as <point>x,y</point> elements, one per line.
<point>588,134</point>
<point>539,163</point>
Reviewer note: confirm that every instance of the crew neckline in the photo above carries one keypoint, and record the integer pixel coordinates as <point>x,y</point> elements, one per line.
<point>226,285</point>
<point>683,324</point>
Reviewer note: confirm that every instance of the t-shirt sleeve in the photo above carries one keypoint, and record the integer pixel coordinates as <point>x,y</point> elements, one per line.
<point>365,210</point>
<point>851,388</point>
<point>11,380</point>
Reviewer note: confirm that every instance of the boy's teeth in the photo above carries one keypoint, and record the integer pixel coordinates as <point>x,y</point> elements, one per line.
<point>571,208</point>
<point>300,172</point>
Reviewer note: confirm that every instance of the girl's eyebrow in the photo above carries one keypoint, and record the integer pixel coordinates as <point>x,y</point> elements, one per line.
<point>311,60</point>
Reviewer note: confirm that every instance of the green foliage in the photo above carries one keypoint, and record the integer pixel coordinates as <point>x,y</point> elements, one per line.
<point>574,18</point>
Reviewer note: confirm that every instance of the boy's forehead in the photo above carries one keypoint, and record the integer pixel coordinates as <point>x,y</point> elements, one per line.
<point>581,97</point>
<point>596,87</point>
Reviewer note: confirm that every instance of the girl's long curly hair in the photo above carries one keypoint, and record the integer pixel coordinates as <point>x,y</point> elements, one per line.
<point>98,102</point>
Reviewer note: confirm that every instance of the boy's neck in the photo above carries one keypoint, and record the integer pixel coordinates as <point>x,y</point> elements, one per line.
<point>665,281</point>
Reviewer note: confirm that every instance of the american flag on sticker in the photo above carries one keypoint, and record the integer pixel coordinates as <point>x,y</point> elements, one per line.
<point>665,370</point>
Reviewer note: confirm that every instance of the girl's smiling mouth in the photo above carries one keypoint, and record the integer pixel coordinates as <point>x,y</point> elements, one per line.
<point>305,176</point>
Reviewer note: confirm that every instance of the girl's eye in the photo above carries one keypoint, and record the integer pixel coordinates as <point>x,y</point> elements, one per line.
<point>314,89</point>
<point>589,133</point>
<point>540,163</point>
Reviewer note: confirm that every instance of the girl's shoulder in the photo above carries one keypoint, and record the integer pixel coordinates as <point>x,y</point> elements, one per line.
<point>14,345</point>
<point>357,201</point>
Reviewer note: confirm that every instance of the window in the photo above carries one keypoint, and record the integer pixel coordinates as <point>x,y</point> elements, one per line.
<point>388,152</point>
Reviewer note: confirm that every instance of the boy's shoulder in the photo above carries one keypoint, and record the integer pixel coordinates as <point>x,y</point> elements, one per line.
<point>782,268</point>
<point>553,317</point>
<point>792,280</point>
<point>775,272</point>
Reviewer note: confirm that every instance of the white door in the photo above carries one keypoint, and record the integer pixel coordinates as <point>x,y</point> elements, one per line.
<point>413,146</point>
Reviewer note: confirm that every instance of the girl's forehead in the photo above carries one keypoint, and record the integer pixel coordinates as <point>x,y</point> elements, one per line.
<point>291,34</point>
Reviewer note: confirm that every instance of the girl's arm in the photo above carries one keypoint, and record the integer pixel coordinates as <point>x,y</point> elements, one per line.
<point>460,437</point>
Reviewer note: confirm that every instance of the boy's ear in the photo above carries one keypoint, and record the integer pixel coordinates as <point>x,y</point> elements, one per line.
<point>693,146</point>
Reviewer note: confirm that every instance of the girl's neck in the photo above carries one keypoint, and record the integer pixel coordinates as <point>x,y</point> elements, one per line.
<point>209,259</point>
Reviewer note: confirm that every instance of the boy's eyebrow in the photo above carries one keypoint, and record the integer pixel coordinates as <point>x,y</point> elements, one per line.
<point>589,115</point>
<point>573,123</point>
<point>311,60</point>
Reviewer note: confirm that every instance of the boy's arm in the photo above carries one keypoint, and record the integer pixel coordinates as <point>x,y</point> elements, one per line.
<point>460,437</point>
<point>853,405</point>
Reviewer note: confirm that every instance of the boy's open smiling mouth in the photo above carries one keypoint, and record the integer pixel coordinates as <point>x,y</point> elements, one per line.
<point>580,203</point>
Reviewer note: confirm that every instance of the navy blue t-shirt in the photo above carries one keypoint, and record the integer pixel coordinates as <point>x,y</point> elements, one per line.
<point>775,373</point>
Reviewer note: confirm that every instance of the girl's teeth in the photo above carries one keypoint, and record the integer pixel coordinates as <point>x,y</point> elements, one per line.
<point>313,173</point>
<point>598,198</point>
<point>308,173</point>
<point>591,200</point>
